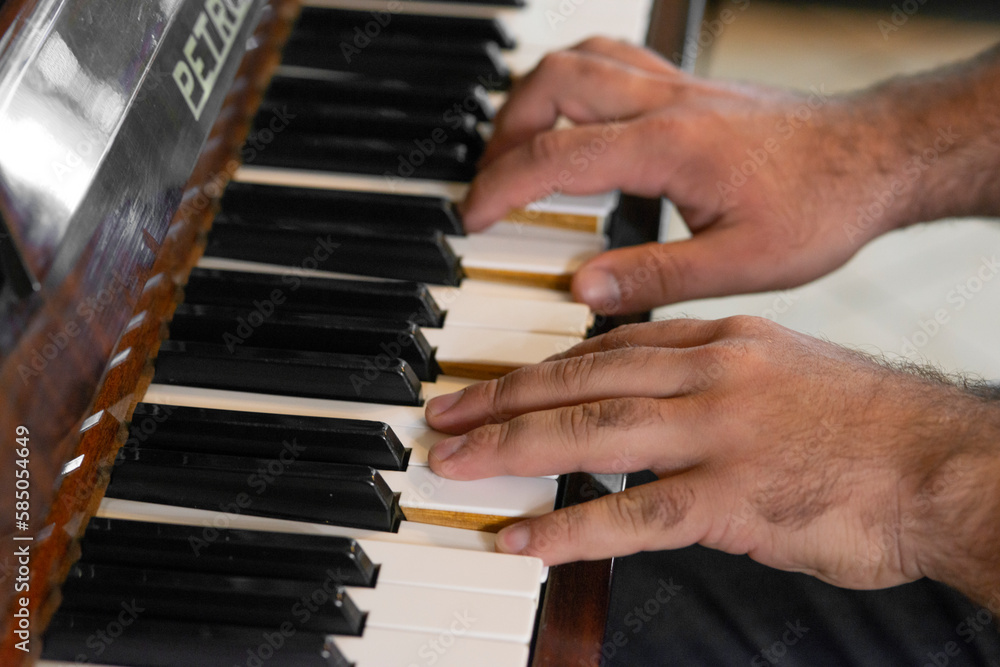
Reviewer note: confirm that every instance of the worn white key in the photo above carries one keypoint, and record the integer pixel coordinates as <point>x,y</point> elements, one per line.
<point>419,488</point>
<point>395,648</point>
<point>514,314</point>
<point>497,617</point>
<point>222,399</point>
<point>465,346</point>
<point>527,255</point>
<point>487,288</point>
<point>408,533</point>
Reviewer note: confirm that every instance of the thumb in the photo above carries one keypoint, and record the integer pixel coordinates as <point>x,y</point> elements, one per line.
<point>630,280</point>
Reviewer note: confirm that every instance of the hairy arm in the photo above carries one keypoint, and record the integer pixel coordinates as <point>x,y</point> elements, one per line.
<point>778,188</point>
<point>945,129</point>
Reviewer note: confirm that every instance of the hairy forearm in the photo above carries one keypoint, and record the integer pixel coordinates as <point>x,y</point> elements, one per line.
<point>941,144</point>
<point>957,505</point>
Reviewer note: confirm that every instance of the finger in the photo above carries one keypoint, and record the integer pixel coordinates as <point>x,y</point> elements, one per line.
<point>675,333</point>
<point>584,87</point>
<point>612,436</point>
<point>669,514</point>
<point>635,56</point>
<point>583,160</point>
<point>654,372</point>
<point>717,262</point>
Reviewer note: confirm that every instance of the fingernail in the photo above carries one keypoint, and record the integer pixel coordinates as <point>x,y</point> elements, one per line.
<point>514,539</point>
<point>597,288</point>
<point>447,448</point>
<point>441,404</point>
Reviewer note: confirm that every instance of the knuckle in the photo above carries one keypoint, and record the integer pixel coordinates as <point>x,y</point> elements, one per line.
<point>596,43</point>
<point>671,274</point>
<point>573,375</point>
<point>546,147</point>
<point>495,396</point>
<point>658,509</point>
<point>579,422</point>
<point>620,337</point>
<point>660,124</point>
<point>744,326</point>
<point>557,63</point>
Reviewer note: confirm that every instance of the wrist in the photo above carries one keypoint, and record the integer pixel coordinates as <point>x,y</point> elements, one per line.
<point>955,502</point>
<point>942,140</point>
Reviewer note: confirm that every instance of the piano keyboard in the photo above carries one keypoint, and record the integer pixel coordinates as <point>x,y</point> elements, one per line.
<point>440,595</point>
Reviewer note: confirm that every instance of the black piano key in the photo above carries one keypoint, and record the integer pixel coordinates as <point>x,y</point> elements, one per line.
<point>433,29</point>
<point>425,258</point>
<point>308,332</point>
<point>347,120</point>
<point>391,213</point>
<point>263,435</point>
<point>420,158</point>
<point>125,636</point>
<point>410,60</point>
<point>207,549</point>
<point>446,101</point>
<point>290,293</point>
<point>353,496</point>
<point>206,598</point>
<point>288,372</point>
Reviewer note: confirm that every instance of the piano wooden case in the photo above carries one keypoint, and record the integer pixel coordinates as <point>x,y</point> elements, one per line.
<point>108,187</point>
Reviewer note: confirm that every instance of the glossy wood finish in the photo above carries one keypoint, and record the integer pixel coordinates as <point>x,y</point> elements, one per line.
<point>56,401</point>
<point>77,381</point>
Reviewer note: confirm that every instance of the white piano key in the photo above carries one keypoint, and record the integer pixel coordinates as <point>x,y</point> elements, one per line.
<point>393,648</point>
<point>328,180</point>
<point>419,488</point>
<point>409,532</point>
<point>471,286</point>
<point>417,555</point>
<point>483,616</point>
<point>419,441</point>
<point>222,399</point>
<point>492,347</point>
<point>227,264</point>
<point>523,254</point>
<point>491,312</point>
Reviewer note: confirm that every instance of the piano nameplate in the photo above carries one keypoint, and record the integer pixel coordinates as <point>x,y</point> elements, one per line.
<point>206,50</point>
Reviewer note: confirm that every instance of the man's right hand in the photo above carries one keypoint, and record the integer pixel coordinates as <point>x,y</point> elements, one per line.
<point>778,188</point>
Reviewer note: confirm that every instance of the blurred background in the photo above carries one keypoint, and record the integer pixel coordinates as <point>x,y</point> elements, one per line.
<point>894,295</point>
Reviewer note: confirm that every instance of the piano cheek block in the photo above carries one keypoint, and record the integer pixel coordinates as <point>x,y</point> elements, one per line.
<point>353,496</point>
